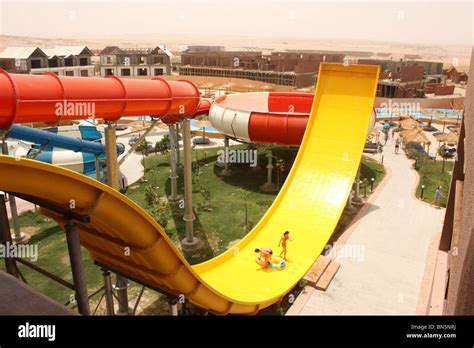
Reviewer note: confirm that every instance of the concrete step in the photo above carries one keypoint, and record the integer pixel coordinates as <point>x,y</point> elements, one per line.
<point>317,270</point>
<point>328,276</point>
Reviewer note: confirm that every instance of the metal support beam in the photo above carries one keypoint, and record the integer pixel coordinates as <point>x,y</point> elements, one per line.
<point>121,286</point>
<point>109,298</point>
<point>357,184</point>
<point>269,186</point>
<point>45,273</point>
<point>6,238</point>
<point>77,267</point>
<point>97,168</point>
<point>173,303</point>
<point>226,171</point>
<point>18,236</point>
<point>178,161</point>
<point>111,153</point>
<point>112,180</point>
<point>174,197</point>
<point>190,241</point>
<point>137,143</point>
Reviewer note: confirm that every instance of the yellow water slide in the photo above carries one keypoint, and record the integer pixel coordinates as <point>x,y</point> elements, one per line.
<point>122,236</point>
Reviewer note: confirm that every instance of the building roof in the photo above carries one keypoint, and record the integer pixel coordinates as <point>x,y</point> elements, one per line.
<point>164,49</point>
<point>72,50</point>
<point>112,50</point>
<point>20,52</point>
<point>53,52</point>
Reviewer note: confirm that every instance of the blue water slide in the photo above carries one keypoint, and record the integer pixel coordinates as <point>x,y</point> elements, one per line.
<point>47,139</point>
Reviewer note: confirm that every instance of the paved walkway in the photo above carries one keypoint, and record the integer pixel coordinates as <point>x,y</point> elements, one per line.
<point>384,257</point>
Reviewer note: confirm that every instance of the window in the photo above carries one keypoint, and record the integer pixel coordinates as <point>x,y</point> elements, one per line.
<point>108,60</point>
<point>36,64</point>
<point>125,72</point>
<point>142,72</point>
<point>53,63</point>
<point>69,62</point>
<point>142,60</point>
<point>69,73</point>
<point>83,61</point>
<point>84,73</point>
<point>109,72</point>
<point>158,60</point>
<point>158,72</point>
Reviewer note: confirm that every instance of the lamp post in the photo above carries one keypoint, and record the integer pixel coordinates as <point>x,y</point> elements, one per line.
<point>372,180</point>
<point>422,191</point>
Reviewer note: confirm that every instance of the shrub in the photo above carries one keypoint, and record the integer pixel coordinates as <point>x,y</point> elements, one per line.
<point>163,145</point>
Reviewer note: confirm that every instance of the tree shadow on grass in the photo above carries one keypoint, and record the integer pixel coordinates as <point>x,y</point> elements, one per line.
<point>244,177</point>
<point>45,234</point>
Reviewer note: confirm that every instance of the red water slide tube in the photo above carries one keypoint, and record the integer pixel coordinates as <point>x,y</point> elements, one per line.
<point>50,98</point>
<point>264,117</point>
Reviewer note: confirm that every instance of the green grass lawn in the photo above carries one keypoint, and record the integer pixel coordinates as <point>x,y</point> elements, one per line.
<point>432,176</point>
<point>236,204</point>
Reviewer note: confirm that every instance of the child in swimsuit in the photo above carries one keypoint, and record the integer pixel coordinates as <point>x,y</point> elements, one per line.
<point>282,243</point>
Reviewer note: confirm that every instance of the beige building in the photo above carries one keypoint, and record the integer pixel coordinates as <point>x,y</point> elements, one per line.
<point>135,61</point>
<point>61,60</point>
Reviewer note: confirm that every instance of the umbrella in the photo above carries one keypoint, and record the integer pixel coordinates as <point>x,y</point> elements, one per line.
<point>203,124</point>
<point>416,137</point>
<point>449,138</point>
<point>431,113</point>
<point>227,86</point>
<point>409,124</point>
<point>207,87</point>
<point>445,120</point>
<point>409,132</point>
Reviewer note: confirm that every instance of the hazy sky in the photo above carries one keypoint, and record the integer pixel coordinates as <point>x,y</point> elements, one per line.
<point>402,21</point>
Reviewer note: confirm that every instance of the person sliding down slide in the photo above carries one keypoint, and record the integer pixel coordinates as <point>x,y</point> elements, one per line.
<point>266,259</point>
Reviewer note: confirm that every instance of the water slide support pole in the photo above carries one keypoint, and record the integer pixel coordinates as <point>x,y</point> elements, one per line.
<point>269,186</point>
<point>77,267</point>
<point>173,303</point>
<point>177,145</point>
<point>357,184</point>
<point>109,298</point>
<point>174,173</point>
<point>18,236</point>
<point>189,241</point>
<point>97,168</point>
<point>226,171</point>
<point>121,283</point>
<point>5,237</point>
<point>269,169</point>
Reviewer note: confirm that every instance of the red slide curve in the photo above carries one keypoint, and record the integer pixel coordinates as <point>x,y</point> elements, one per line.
<point>264,117</point>
<point>50,98</point>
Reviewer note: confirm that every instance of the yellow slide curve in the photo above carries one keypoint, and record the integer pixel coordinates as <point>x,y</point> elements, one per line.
<point>309,205</point>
